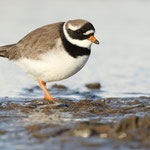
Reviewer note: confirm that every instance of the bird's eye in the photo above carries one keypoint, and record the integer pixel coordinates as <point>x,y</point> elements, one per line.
<point>78,32</point>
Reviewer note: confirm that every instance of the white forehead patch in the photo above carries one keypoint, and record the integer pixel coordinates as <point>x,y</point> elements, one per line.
<point>89,32</point>
<point>73,27</point>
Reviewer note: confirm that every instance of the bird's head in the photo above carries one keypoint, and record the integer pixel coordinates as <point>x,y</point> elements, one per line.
<point>80,33</point>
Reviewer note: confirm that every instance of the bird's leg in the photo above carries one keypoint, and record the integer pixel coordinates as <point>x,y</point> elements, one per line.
<point>43,86</point>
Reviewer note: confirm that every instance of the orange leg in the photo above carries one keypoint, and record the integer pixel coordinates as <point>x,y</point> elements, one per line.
<point>43,86</point>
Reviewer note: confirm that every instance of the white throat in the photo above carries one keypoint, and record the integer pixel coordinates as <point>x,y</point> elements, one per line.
<point>81,43</point>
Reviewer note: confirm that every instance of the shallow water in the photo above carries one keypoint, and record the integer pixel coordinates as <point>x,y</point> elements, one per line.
<point>109,123</point>
<point>121,61</point>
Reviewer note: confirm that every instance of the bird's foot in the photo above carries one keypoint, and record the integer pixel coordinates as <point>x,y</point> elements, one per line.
<point>48,97</point>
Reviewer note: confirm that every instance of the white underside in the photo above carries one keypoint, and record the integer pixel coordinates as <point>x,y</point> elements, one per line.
<point>55,65</point>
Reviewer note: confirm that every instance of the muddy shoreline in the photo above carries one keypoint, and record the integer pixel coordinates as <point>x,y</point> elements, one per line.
<point>89,122</point>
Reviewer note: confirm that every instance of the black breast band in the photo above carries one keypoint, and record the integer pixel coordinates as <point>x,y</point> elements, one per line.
<point>72,49</point>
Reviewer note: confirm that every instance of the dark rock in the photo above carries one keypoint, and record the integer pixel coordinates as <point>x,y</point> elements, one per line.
<point>93,86</point>
<point>57,86</point>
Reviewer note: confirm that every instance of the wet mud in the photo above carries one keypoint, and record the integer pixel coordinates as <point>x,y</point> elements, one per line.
<point>86,123</point>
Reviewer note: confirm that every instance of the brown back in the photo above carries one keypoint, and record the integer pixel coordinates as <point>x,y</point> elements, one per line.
<point>36,42</point>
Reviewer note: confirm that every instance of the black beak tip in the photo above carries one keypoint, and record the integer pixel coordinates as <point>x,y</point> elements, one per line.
<point>96,42</point>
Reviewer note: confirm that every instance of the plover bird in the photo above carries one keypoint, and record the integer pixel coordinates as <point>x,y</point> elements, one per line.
<point>53,52</point>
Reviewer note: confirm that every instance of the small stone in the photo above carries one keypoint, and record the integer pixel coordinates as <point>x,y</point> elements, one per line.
<point>93,86</point>
<point>57,86</point>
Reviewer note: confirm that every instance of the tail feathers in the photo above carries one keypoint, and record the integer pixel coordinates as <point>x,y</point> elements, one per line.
<point>4,49</point>
<point>3,53</point>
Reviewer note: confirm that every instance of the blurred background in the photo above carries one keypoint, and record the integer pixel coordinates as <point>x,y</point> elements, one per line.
<point>121,63</point>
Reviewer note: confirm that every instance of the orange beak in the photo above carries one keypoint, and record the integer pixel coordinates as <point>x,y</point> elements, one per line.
<point>93,39</point>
